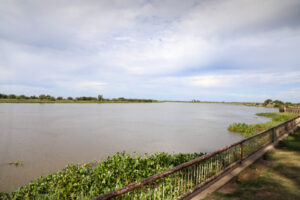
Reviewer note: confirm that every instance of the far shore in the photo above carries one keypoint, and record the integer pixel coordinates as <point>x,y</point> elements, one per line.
<point>42,101</point>
<point>69,101</point>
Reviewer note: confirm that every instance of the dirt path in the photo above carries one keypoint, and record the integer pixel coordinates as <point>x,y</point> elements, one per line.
<point>276,176</point>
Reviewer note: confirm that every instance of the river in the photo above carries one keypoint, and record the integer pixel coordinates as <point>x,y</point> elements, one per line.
<point>46,137</point>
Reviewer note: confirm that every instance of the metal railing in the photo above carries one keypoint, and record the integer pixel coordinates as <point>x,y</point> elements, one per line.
<point>292,110</point>
<point>184,179</point>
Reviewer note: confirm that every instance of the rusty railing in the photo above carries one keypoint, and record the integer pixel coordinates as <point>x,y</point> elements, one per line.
<point>292,110</point>
<point>184,179</point>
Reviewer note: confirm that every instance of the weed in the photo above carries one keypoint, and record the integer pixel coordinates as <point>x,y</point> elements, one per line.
<point>249,130</point>
<point>88,181</point>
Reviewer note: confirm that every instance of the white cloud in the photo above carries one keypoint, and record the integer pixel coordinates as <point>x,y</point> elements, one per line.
<point>84,44</point>
<point>234,80</point>
<point>22,89</point>
<point>207,81</point>
<point>82,85</point>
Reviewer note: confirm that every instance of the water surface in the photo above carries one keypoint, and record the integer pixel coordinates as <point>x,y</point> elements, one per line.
<point>46,137</point>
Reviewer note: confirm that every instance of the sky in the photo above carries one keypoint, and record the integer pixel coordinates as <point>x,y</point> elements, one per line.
<point>209,50</point>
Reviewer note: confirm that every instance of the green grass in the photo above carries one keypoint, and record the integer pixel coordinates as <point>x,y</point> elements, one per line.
<point>276,176</point>
<point>278,116</point>
<point>292,142</point>
<point>248,130</point>
<point>91,180</point>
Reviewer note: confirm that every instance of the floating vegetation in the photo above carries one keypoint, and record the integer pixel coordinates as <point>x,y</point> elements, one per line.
<point>17,163</point>
<point>90,180</point>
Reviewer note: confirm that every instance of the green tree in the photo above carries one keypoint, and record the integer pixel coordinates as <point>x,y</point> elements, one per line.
<point>3,96</point>
<point>42,97</point>
<point>12,96</point>
<point>59,98</point>
<point>22,96</point>
<point>268,101</point>
<point>100,97</point>
<point>288,104</point>
<point>278,103</point>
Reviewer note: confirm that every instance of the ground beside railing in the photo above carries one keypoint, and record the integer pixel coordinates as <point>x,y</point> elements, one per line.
<point>276,176</point>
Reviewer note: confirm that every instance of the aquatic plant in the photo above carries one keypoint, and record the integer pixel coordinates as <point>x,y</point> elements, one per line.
<point>90,180</point>
<point>251,129</point>
<point>17,163</point>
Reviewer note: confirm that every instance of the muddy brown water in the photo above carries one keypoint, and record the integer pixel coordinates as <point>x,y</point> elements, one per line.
<point>47,137</point>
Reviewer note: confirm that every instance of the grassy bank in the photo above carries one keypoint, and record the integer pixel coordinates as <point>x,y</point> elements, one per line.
<point>251,129</point>
<point>91,180</point>
<point>232,103</point>
<point>276,176</point>
<point>68,101</point>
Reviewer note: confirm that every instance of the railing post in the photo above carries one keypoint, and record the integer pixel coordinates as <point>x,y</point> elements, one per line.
<point>273,135</point>
<point>241,152</point>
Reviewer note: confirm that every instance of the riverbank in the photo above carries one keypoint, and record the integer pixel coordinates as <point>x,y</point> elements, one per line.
<point>275,176</point>
<point>248,130</point>
<point>42,98</point>
<point>232,103</point>
<point>70,101</point>
<point>94,179</point>
<point>253,104</point>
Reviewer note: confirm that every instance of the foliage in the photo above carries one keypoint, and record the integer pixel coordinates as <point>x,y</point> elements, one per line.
<point>278,117</point>
<point>12,96</point>
<point>59,98</point>
<point>291,142</point>
<point>42,97</point>
<point>249,130</point>
<point>243,128</point>
<point>268,101</point>
<point>33,97</point>
<point>91,180</point>
<point>3,96</point>
<point>288,104</point>
<point>83,99</point>
<point>22,97</point>
<point>17,163</point>
<point>278,103</point>
<point>100,97</point>
<point>86,98</point>
<point>274,177</point>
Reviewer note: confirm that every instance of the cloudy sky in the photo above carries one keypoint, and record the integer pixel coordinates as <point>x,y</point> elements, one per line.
<point>216,50</point>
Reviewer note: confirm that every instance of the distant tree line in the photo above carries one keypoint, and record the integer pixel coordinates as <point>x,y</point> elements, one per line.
<point>13,96</point>
<point>277,103</point>
<point>48,97</point>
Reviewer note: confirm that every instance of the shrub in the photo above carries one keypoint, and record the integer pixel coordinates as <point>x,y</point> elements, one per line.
<point>12,96</point>
<point>59,98</point>
<point>42,97</point>
<point>268,101</point>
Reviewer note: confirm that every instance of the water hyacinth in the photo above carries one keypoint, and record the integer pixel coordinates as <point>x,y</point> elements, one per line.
<point>90,180</point>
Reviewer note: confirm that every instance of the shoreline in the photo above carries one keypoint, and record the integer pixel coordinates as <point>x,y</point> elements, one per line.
<point>71,101</point>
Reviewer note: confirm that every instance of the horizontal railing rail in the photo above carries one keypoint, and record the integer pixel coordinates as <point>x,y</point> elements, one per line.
<point>292,110</point>
<point>182,180</point>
